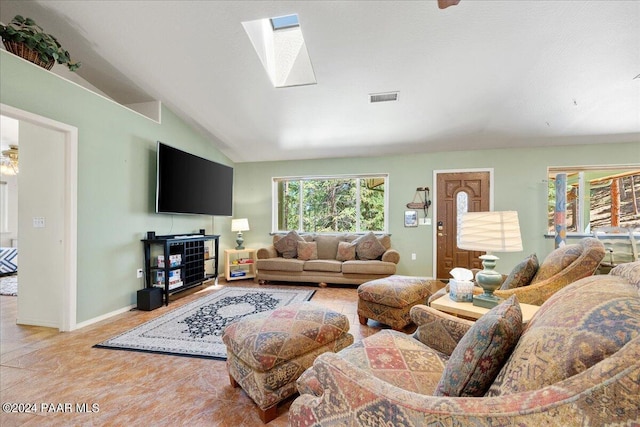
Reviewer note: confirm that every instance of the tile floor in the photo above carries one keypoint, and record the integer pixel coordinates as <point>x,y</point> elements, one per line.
<point>124,388</point>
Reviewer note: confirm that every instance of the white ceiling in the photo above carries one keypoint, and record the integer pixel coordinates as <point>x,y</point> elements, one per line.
<point>482,74</point>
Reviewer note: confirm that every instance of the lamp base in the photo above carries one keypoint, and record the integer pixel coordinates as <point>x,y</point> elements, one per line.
<point>486,301</point>
<point>239,241</point>
<point>489,280</point>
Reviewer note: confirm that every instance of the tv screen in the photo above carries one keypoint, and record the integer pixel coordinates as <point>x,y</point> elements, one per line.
<point>189,184</point>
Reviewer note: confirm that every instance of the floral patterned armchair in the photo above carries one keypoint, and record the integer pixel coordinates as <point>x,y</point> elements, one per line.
<point>576,363</point>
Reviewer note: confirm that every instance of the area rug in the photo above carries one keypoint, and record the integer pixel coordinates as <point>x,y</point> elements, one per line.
<point>195,329</point>
<point>9,285</point>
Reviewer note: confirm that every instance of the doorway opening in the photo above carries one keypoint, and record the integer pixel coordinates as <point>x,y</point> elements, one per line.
<point>65,319</point>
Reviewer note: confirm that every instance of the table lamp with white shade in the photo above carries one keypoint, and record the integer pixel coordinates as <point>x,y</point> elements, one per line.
<point>489,232</point>
<point>240,225</point>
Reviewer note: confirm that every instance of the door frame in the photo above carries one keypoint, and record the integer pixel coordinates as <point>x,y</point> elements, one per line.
<point>434,228</point>
<point>70,245</point>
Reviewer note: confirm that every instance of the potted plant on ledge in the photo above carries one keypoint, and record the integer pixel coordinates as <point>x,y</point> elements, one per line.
<point>25,38</point>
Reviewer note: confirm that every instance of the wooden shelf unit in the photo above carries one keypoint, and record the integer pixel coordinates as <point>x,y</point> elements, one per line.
<point>248,267</point>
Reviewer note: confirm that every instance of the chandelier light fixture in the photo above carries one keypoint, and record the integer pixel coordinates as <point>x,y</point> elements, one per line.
<point>9,161</point>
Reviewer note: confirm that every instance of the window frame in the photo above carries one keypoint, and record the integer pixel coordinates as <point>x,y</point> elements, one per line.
<point>582,223</point>
<point>275,202</point>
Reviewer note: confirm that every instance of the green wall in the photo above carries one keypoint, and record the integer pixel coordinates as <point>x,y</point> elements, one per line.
<point>116,180</point>
<point>519,177</point>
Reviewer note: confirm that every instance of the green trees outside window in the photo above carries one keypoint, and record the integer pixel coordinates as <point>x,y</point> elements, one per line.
<point>340,204</point>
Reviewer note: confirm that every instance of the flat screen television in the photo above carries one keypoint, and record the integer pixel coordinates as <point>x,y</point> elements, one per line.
<point>188,184</point>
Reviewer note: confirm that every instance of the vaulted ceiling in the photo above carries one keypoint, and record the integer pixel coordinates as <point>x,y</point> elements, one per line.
<point>482,74</point>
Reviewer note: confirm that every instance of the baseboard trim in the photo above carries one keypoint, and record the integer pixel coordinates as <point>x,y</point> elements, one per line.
<point>104,317</point>
<point>36,322</point>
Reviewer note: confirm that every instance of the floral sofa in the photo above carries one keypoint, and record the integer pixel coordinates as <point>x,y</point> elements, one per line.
<point>576,363</point>
<point>327,258</point>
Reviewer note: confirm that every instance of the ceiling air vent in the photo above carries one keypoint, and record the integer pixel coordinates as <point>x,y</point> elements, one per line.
<point>383,97</point>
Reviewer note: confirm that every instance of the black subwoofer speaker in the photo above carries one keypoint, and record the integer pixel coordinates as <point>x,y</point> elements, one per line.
<point>149,299</point>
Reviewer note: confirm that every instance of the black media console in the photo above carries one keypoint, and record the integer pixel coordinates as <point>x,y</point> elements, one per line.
<point>175,263</point>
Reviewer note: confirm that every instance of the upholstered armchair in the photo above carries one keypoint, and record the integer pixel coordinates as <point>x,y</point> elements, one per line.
<point>534,284</point>
<point>576,363</point>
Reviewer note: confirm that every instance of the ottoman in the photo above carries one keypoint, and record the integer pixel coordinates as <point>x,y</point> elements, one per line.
<point>267,352</point>
<point>389,300</point>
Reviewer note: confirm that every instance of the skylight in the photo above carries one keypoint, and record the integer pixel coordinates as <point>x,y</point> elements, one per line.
<point>281,48</point>
<point>283,22</point>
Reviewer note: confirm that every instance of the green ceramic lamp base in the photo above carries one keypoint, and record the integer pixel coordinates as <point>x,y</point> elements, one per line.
<point>489,280</point>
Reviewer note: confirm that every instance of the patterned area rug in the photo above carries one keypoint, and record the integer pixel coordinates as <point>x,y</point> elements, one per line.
<point>195,329</point>
<point>9,285</point>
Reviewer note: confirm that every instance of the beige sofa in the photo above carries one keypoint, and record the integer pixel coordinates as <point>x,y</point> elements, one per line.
<point>327,258</point>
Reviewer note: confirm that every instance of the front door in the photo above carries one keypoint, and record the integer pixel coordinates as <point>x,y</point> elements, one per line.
<point>457,192</point>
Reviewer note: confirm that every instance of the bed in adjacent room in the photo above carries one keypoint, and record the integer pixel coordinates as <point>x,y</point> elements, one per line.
<point>8,260</point>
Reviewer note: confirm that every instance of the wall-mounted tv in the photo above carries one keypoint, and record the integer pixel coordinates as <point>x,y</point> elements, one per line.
<point>189,184</point>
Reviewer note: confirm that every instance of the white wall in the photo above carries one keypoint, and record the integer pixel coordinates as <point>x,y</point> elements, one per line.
<point>11,233</point>
<point>41,258</point>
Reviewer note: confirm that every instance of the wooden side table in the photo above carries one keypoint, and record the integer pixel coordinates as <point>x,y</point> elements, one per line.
<point>470,311</point>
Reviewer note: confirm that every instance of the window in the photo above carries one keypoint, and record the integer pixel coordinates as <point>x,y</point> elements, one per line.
<point>284,22</point>
<point>596,196</point>
<point>332,204</point>
<point>462,203</point>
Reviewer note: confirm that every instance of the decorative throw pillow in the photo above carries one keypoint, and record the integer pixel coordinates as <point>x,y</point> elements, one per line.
<point>327,245</point>
<point>288,245</point>
<point>522,274</point>
<point>480,354</point>
<point>346,251</point>
<point>307,251</point>
<point>368,247</point>
<point>628,270</point>
<point>557,261</point>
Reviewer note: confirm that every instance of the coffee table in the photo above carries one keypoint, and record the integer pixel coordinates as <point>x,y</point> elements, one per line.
<point>470,311</point>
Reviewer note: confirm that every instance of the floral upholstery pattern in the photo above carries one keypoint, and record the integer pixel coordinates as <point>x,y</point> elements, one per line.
<point>393,357</point>
<point>307,251</point>
<point>591,385</point>
<point>267,352</point>
<point>438,330</point>
<point>522,274</point>
<point>389,300</point>
<point>590,252</point>
<point>557,261</point>
<point>580,327</point>
<point>630,271</point>
<point>482,351</point>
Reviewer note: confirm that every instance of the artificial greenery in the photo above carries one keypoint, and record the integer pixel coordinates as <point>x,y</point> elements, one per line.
<point>25,30</point>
